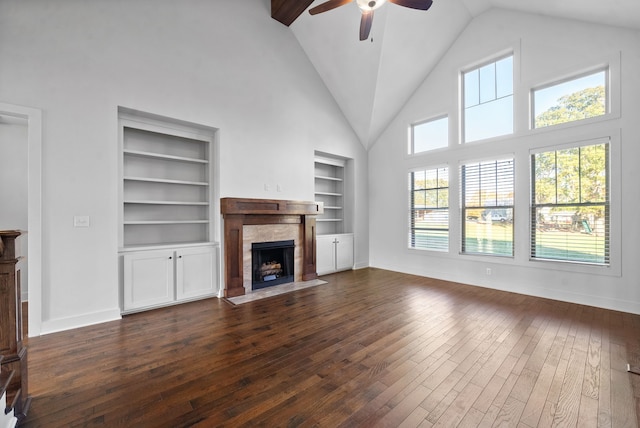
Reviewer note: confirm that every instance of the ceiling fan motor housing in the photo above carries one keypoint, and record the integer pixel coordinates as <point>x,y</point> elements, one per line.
<point>370,4</point>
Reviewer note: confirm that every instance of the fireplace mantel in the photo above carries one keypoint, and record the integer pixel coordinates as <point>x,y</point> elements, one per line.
<point>238,212</point>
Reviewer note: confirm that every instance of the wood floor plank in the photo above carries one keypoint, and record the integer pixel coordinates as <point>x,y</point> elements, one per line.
<point>369,348</point>
<point>460,406</point>
<point>404,408</point>
<point>622,402</point>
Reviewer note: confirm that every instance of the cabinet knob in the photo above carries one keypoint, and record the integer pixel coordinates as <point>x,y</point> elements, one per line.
<point>170,257</point>
<point>179,257</point>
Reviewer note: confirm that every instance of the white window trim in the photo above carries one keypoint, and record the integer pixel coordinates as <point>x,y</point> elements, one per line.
<point>461,108</point>
<point>461,204</point>
<point>611,65</point>
<point>408,205</point>
<point>411,146</point>
<point>615,227</point>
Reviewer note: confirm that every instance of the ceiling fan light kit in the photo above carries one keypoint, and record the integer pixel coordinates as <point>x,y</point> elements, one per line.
<point>367,7</point>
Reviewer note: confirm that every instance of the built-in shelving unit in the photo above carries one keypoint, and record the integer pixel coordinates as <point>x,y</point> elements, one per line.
<point>335,242</point>
<point>167,248</point>
<point>329,189</point>
<point>166,180</point>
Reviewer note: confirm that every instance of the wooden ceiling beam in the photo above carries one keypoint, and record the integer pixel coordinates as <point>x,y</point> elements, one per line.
<point>286,11</point>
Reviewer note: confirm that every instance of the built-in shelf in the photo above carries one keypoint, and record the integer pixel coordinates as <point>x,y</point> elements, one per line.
<point>163,156</point>
<point>166,191</point>
<point>141,202</point>
<point>334,243</point>
<point>167,251</point>
<point>152,222</point>
<point>329,180</point>
<point>321,177</point>
<point>166,181</point>
<point>329,194</point>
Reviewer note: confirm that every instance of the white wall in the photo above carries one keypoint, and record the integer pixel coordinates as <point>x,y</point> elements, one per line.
<point>13,186</point>
<point>545,49</point>
<point>223,63</point>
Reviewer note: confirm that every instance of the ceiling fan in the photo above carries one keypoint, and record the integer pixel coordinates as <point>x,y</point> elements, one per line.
<point>367,7</point>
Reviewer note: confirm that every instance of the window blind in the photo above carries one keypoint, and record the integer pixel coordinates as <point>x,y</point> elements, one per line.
<point>487,190</point>
<point>429,209</point>
<point>570,204</point>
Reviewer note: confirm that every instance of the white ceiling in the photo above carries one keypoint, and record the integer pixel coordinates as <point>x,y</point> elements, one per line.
<point>371,80</point>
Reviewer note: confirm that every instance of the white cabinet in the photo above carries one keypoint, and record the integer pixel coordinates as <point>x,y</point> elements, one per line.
<point>154,278</point>
<point>325,254</point>
<point>148,279</point>
<point>334,253</point>
<point>194,272</point>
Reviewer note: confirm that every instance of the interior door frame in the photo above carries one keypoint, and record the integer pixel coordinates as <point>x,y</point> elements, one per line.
<point>34,210</point>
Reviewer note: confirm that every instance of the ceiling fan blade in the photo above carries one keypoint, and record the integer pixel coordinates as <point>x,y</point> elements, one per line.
<point>331,4</point>
<point>414,4</point>
<point>365,24</point>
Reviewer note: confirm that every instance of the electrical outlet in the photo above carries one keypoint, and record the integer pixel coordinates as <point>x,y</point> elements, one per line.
<point>488,271</point>
<point>81,221</point>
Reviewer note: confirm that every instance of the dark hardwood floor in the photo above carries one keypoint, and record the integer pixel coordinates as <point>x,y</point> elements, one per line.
<point>370,348</point>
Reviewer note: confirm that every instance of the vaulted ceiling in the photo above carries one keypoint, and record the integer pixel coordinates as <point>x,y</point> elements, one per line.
<point>371,80</point>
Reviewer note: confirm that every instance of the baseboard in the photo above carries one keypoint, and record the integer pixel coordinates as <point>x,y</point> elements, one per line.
<point>62,324</point>
<point>529,289</point>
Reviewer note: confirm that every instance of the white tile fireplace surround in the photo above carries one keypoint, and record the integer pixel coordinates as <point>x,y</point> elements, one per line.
<point>269,233</point>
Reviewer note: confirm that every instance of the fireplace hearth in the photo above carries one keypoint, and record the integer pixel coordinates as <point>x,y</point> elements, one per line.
<point>272,263</point>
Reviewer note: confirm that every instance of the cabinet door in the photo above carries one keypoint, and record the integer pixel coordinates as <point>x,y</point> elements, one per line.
<point>148,278</point>
<point>344,252</point>
<point>195,269</point>
<point>325,254</point>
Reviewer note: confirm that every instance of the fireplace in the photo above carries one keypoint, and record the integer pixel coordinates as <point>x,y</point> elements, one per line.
<point>272,263</point>
<point>241,213</point>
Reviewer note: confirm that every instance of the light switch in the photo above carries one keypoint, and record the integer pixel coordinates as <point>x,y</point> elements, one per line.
<point>81,221</point>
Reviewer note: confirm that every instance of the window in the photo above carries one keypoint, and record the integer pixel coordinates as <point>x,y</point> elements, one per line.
<point>571,100</point>
<point>429,135</point>
<point>429,209</point>
<point>570,204</point>
<point>488,100</point>
<point>487,207</point>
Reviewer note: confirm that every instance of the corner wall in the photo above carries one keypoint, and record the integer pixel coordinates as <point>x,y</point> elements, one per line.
<point>224,64</point>
<point>546,49</point>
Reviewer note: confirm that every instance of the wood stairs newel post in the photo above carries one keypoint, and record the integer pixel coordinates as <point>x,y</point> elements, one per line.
<point>7,418</point>
<point>13,367</point>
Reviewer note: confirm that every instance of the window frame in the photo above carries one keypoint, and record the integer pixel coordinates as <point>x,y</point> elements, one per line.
<point>610,62</point>
<point>610,229</point>
<point>411,144</point>
<point>462,96</point>
<point>463,205</point>
<point>411,208</point>
<point>568,78</point>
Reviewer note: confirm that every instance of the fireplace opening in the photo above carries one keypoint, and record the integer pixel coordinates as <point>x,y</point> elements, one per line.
<point>272,263</point>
